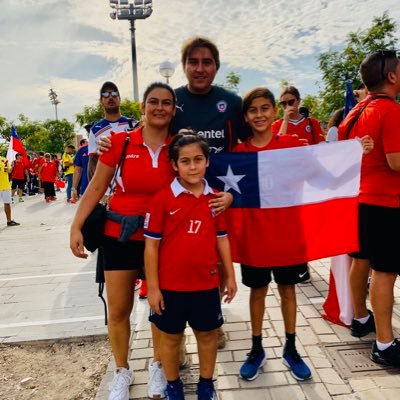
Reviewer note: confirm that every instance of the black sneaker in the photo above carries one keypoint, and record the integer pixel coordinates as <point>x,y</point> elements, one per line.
<point>12,223</point>
<point>389,356</point>
<point>359,330</point>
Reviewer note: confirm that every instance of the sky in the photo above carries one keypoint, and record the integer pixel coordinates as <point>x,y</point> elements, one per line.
<point>73,46</point>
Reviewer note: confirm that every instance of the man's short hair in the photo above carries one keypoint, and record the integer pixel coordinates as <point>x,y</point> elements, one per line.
<point>82,142</point>
<point>70,146</point>
<point>88,127</point>
<point>196,42</point>
<point>41,153</point>
<point>376,66</point>
<point>108,85</point>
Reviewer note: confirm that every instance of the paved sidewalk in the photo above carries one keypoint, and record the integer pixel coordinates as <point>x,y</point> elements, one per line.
<point>315,338</point>
<point>46,293</point>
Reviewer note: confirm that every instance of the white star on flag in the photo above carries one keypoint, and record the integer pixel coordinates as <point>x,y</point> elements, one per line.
<point>231,180</point>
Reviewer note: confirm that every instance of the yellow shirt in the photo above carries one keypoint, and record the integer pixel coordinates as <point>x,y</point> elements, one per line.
<point>4,180</point>
<point>70,158</point>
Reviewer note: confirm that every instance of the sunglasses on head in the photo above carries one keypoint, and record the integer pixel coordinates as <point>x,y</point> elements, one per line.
<point>284,103</point>
<point>384,54</point>
<point>108,94</point>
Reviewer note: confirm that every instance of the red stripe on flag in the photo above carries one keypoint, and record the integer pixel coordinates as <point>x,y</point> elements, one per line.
<point>293,235</point>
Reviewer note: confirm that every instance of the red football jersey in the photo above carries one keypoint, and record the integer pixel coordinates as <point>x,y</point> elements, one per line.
<point>188,230</point>
<point>18,171</point>
<point>277,142</point>
<point>48,172</point>
<point>144,173</point>
<point>304,128</point>
<point>380,185</point>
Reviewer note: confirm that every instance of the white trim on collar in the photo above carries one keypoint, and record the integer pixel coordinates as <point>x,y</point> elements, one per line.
<point>178,189</point>
<point>297,121</point>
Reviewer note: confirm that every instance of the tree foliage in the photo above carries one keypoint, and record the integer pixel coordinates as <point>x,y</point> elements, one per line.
<point>337,66</point>
<point>49,136</point>
<point>231,82</point>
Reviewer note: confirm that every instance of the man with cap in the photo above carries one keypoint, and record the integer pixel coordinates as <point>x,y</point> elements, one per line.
<point>113,121</point>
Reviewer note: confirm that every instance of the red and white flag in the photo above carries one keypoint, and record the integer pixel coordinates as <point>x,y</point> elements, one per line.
<point>291,205</point>
<point>338,306</point>
<point>16,147</point>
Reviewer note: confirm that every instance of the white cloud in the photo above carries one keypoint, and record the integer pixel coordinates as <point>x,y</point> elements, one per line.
<point>48,43</point>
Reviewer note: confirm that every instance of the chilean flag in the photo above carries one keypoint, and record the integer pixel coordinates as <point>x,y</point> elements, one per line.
<point>291,205</point>
<point>15,147</point>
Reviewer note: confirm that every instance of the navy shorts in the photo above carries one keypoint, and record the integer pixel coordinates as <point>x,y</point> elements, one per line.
<point>123,256</point>
<point>259,277</point>
<point>18,183</point>
<point>200,309</point>
<point>378,243</point>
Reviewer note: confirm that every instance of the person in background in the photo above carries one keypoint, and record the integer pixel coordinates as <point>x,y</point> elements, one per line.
<point>361,92</point>
<point>48,172</point>
<point>333,125</point>
<point>5,190</point>
<point>293,122</point>
<point>19,176</point>
<point>377,115</point>
<point>80,177</point>
<point>36,164</point>
<point>68,169</point>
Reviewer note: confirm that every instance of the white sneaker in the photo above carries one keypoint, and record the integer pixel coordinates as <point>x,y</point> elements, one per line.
<point>157,382</point>
<point>119,388</point>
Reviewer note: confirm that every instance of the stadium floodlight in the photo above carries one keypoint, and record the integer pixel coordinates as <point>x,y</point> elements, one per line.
<point>131,11</point>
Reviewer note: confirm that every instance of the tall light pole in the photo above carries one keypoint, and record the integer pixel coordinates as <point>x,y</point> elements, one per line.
<point>131,11</point>
<point>54,100</point>
<point>166,70</point>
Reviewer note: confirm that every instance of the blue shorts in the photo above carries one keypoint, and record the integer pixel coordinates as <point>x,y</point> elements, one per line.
<point>200,309</point>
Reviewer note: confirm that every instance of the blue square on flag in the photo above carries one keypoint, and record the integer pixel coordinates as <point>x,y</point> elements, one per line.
<point>236,173</point>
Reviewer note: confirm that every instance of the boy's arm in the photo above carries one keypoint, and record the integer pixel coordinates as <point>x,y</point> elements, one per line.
<point>151,256</point>
<point>224,251</point>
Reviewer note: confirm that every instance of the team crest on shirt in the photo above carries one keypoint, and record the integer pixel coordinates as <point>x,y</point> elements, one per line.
<point>222,105</point>
<point>308,128</point>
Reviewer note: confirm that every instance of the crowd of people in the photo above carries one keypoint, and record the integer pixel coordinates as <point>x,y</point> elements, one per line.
<point>162,180</point>
<point>174,236</point>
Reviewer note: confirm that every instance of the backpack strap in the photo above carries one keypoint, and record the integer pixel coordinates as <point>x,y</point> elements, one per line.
<point>361,110</point>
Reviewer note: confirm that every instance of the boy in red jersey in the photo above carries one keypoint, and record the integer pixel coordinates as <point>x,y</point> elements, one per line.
<point>184,238</point>
<point>379,211</point>
<point>260,111</point>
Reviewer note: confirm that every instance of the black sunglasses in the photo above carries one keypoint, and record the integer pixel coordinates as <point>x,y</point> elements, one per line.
<point>108,94</point>
<point>284,103</point>
<point>384,54</point>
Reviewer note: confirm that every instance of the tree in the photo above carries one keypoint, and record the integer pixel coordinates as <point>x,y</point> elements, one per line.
<point>232,81</point>
<point>95,112</point>
<point>60,134</point>
<point>337,66</point>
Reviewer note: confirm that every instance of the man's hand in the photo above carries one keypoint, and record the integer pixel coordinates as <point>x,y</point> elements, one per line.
<point>104,145</point>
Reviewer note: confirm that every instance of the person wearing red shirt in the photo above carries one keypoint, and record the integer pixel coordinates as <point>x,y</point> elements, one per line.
<point>48,173</point>
<point>260,111</point>
<point>379,211</point>
<point>19,176</point>
<point>145,171</point>
<point>184,238</point>
<point>37,163</point>
<point>293,123</point>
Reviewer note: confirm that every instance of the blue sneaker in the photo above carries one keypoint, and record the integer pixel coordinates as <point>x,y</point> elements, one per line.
<point>206,391</point>
<point>298,368</point>
<point>175,391</point>
<point>251,367</point>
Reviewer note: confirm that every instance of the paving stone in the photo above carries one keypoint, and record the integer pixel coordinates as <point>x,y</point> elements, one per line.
<point>265,380</point>
<point>337,389</point>
<point>330,376</point>
<point>306,336</point>
<point>315,391</point>
<point>361,384</point>
<point>288,392</point>
<point>320,326</point>
<point>245,394</point>
<point>387,381</point>
<point>228,382</point>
